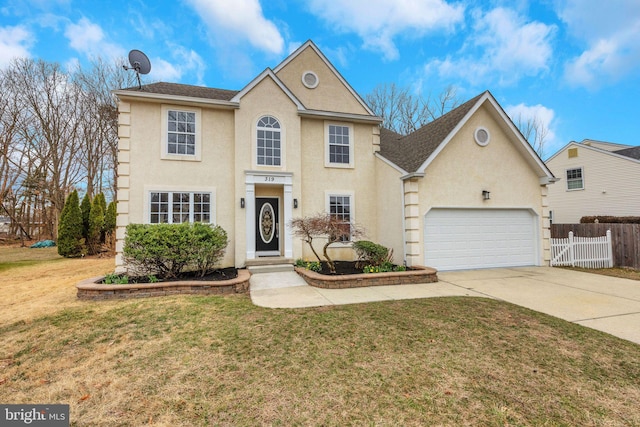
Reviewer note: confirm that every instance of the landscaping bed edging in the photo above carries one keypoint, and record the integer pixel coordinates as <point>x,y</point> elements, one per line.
<point>418,274</point>
<point>89,289</point>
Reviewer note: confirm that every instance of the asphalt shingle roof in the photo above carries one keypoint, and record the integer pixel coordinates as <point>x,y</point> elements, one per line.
<point>177,89</point>
<point>411,151</point>
<point>633,152</point>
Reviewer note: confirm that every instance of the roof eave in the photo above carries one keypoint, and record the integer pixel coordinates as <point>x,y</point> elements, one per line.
<point>358,118</point>
<point>180,99</point>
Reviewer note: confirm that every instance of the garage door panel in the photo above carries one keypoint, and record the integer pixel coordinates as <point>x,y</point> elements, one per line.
<point>479,238</point>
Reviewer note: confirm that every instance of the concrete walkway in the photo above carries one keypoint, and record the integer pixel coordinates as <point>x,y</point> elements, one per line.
<point>600,302</point>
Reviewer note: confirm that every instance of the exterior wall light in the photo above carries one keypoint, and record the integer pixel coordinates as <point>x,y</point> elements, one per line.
<point>242,202</point>
<point>486,195</point>
<point>295,203</point>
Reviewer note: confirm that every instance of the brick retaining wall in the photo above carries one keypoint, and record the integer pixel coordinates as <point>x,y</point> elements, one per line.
<point>89,289</point>
<point>417,275</point>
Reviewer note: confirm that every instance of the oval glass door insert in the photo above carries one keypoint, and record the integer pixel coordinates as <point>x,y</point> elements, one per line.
<point>267,226</point>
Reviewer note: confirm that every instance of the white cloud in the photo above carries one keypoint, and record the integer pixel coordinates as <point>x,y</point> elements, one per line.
<point>239,19</point>
<point>610,32</point>
<point>502,46</point>
<point>14,43</point>
<point>186,61</point>
<point>88,38</point>
<point>165,71</point>
<point>536,122</point>
<point>377,22</point>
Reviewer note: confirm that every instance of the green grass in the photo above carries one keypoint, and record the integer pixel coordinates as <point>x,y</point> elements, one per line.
<point>222,361</point>
<point>13,257</point>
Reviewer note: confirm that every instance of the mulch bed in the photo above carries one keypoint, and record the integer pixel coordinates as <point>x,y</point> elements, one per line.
<point>217,275</point>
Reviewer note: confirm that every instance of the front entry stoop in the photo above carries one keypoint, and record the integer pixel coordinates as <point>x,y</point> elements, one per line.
<point>270,265</point>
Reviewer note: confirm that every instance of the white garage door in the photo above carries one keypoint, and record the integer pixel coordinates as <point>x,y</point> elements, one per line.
<point>458,239</point>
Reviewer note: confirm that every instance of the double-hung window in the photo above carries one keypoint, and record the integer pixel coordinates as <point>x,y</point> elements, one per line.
<point>178,207</point>
<point>339,145</point>
<point>575,179</point>
<point>340,210</point>
<point>269,143</point>
<point>181,132</point>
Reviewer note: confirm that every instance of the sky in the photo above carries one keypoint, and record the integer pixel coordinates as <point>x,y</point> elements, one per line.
<point>574,65</point>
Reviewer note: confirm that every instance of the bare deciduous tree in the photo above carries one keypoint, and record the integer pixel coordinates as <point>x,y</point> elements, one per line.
<point>534,131</point>
<point>58,132</point>
<point>403,112</point>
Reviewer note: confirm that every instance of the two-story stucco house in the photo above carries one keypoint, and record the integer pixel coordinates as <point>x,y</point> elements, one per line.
<point>598,178</point>
<point>465,191</point>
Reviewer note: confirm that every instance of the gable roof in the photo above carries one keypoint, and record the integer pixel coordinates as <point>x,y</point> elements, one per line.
<point>414,152</point>
<point>630,153</point>
<point>604,145</point>
<point>411,151</point>
<point>268,73</point>
<point>311,45</point>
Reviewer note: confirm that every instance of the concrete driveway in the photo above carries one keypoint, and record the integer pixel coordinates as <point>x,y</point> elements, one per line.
<point>604,303</point>
<point>608,304</point>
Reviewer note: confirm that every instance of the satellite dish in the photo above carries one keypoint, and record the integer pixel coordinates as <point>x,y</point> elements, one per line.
<point>139,63</point>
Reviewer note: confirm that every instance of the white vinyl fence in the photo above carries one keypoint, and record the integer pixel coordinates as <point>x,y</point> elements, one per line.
<point>586,252</point>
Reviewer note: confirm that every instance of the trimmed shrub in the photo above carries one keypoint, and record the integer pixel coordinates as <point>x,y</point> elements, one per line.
<point>371,254</point>
<point>603,219</point>
<point>70,228</point>
<point>169,250</point>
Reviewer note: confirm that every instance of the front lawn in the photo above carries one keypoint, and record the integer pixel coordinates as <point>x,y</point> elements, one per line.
<point>222,361</point>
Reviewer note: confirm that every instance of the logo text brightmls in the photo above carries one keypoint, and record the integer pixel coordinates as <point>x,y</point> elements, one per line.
<point>36,415</point>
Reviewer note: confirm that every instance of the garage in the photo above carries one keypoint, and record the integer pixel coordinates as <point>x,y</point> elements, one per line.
<point>460,239</point>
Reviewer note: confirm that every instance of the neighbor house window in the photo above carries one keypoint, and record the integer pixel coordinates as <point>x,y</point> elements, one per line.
<point>574,179</point>
<point>181,132</point>
<point>269,143</point>
<point>178,207</point>
<point>340,209</point>
<point>339,145</point>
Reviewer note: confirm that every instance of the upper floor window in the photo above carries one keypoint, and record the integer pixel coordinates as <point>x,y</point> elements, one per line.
<point>574,179</point>
<point>340,147</point>
<point>178,207</point>
<point>269,143</point>
<point>181,132</point>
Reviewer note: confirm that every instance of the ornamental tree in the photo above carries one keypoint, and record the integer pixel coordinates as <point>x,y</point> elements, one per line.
<point>328,227</point>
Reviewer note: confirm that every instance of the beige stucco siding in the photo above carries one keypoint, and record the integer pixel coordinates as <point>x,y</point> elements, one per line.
<point>610,186</point>
<point>214,172</point>
<point>319,181</point>
<point>388,196</point>
<point>459,174</point>
<point>330,95</point>
<point>265,99</point>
